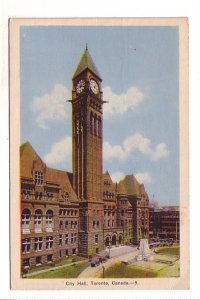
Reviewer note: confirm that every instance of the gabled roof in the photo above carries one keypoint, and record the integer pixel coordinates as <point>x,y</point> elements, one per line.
<point>27,157</point>
<point>86,62</point>
<point>111,186</point>
<point>62,178</point>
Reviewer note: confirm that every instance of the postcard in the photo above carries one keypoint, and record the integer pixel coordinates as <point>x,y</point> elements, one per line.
<point>99,153</point>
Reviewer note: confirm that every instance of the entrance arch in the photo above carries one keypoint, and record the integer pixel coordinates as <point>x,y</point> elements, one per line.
<point>114,240</point>
<point>107,241</point>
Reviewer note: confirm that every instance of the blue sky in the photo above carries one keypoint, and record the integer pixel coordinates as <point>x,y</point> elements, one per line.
<point>139,67</point>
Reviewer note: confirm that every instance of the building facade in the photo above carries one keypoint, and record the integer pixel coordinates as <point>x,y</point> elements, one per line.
<point>164,223</point>
<point>82,212</point>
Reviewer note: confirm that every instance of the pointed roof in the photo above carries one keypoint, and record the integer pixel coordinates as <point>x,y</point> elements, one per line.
<point>131,185</point>
<point>121,190</point>
<point>62,177</point>
<point>27,156</point>
<point>108,184</point>
<point>86,62</point>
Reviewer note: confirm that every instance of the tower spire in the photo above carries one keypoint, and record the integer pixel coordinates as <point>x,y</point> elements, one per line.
<point>86,47</point>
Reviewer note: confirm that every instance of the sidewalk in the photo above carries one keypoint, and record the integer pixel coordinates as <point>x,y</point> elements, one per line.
<point>92,272</point>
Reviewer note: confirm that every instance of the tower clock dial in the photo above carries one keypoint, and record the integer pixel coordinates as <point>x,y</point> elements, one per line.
<point>94,86</point>
<point>80,86</point>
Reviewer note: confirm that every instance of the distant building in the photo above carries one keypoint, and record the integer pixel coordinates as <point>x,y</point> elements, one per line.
<point>82,212</point>
<point>164,222</point>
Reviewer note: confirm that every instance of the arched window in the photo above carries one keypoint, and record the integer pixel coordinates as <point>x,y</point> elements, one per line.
<point>99,127</point>
<point>91,122</point>
<point>49,220</point>
<point>95,124</point>
<point>26,217</point>
<point>38,220</point>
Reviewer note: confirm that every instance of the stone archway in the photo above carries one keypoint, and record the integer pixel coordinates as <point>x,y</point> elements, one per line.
<point>114,240</point>
<point>120,240</point>
<point>107,241</point>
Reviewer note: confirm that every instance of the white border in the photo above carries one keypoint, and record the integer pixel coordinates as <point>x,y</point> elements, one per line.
<point>113,9</point>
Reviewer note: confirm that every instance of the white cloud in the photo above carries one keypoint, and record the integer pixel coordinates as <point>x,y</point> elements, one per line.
<point>120,104</point>
<point>110,151</point>
<point>61,152</point>
<point>144,177</point>
<point>51,106</point>
<point>117,176</point>
<point>135,142</point>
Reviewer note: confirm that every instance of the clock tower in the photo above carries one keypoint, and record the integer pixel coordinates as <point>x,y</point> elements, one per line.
<point>87,112</point>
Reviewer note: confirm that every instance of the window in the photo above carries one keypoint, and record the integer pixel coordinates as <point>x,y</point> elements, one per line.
<point>66,196</point>
<point>91,123</point>
<point>49,258</point>
<point>38,260</point>
<point>60,239</point>
<point>25,195</point>
<point>96,238</point>
<point>97,224</point>
<point>66,238</point>
<point>49,220</point>
<point>26,263</point>
<point>38,221</point>
<point>61,225</point>
<point>72,224</point>
<point>26,245</point>
<point>66,224</point>
<point>38,178</point>
<point>67,252</point>
<point>49,242</point>
<point>72,238</point>
<point>26,217</point>
<point>38,244</point>
<point>75,237</point>
<point>99,126</point>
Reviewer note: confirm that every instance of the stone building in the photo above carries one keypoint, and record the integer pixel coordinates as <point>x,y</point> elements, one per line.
<point>164,223</point>
<point>81,212</point>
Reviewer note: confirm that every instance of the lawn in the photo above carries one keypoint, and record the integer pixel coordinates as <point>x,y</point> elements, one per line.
<point>172,250</point>
<point>119,270</point>
<point>71,271</point>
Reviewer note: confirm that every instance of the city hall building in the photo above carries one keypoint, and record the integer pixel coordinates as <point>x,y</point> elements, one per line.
<point>82,212</point>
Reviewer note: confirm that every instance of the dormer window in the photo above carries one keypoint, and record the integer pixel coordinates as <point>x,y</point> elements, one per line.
<point>66,196</point>
<point>38,178</point>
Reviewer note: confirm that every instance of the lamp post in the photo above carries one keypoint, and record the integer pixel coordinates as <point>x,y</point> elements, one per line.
<point>103,271</point>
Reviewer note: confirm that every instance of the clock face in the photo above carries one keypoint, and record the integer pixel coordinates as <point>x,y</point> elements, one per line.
<point>80,86</point>
<point>94,86</point>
